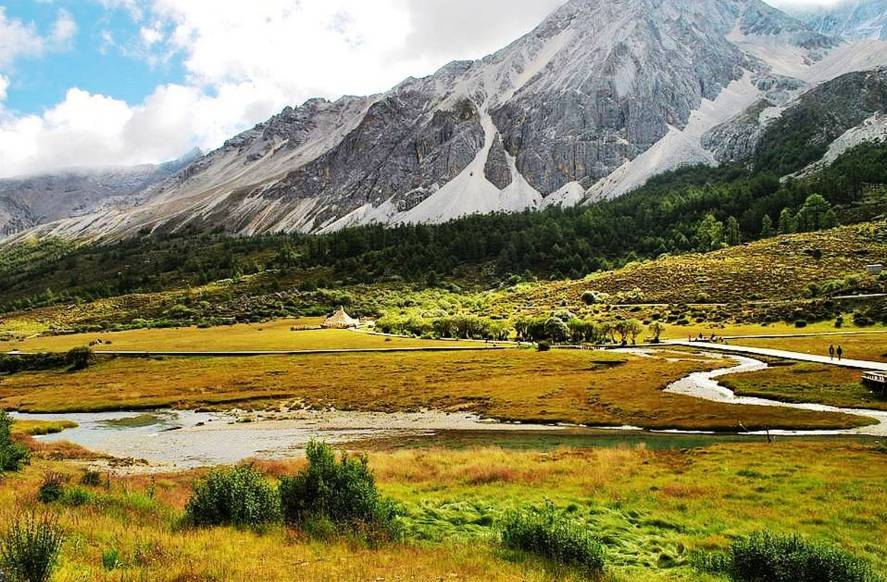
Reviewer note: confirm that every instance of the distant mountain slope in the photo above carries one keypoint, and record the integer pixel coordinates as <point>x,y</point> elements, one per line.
<point>850,19</point>
<point>30,201</point>
<point>592,103</point>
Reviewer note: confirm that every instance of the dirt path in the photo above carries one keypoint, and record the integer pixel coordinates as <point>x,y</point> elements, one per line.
<point>784,354</point>
<point>323,352</point>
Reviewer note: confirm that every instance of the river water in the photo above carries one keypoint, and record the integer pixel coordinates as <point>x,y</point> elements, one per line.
<point>173,440</point>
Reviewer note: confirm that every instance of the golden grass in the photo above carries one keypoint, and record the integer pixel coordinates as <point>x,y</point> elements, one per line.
<point>865,346</point>
<point>41,427</point>
<point>803,382</point>
<point>651,509</point>
<point>589,388</point>
<point>750,329</point>
<point>778,268</point>
<point>272,336</point>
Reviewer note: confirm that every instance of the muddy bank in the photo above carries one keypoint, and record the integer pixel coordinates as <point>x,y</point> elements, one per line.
<point>177,440</point>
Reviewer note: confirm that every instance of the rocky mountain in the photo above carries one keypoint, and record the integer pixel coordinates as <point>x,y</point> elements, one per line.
<point>30,201</point>
<point>850,19</point>
<point>821,123</point>
<point>601,96</point>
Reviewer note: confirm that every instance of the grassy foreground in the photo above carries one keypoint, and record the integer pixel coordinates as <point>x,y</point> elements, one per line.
<point>582,387</point>
<point>651,510</point>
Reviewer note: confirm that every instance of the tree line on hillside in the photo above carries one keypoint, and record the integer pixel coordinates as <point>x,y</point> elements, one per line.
<point>559,328</point>
<point>694,209</point>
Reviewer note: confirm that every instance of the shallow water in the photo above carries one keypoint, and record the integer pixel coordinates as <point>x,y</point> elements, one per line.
<point>186,439</point>
<point>172,440</point>
<point>705,385</point>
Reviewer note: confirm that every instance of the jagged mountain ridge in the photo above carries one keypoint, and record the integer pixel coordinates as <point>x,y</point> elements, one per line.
<point>597,99</point>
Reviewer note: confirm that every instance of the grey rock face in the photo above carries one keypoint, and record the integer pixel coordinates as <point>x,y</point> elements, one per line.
<point>860,19</point>
<point>497,170</point>
<point>807,125</point>
<point>591,89</point>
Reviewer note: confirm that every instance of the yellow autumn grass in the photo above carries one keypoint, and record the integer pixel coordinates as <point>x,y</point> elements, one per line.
<point>581,387</point>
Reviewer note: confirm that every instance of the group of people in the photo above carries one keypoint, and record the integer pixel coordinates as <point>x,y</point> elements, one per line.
<point>714,339</point>
<point>839,351</point>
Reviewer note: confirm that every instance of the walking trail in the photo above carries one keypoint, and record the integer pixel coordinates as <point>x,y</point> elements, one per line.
<point>787,355</point>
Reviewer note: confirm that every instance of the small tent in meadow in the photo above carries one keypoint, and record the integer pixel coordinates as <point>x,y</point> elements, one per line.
<point>340,320</point>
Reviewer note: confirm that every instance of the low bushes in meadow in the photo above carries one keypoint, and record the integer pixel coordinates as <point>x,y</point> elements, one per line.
<point>333,495</point>
<point>240,497</point>
<point>553,536</point>
<point>29,549</point>
<point>768,557</point>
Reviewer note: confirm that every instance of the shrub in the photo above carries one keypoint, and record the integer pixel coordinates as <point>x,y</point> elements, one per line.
<point>240,497</point>
<point>768,557</point>
<point>30,547</point>
<point>79,358</point>
<point>111,559</point>
<point>52,488</point>
<point>12,454</point>
<point>76,497</point>
<point>91,478</point>
<point>543,346</point>
<point>549,534</point>
<point>801,323</point>
<point>342,492</point>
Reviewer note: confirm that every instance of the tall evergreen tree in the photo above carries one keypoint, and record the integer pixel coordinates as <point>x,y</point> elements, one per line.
<point>767,227</point>
<point>734,237</point>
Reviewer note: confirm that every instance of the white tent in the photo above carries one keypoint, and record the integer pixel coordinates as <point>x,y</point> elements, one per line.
<point>340,320</point>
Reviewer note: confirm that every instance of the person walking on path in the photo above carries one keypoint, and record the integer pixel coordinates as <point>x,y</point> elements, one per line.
<point>831,352</point>
<point>840,353</point>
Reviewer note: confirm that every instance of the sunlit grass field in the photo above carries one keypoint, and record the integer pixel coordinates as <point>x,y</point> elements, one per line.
<point>584,387</point>
<point>273,336</point>
<point>652,510</point>
<point>863,346</point>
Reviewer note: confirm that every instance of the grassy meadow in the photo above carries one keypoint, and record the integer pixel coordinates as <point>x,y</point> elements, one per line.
<point>805,382</point>
<point>277,335</point>
<point>857,346</point>
<point>593,388</point>
<point>652,511</point>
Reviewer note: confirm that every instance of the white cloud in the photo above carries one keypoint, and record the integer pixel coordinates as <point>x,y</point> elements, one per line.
<point>17,39</point>
<point>4,85</point>
<point>64,29</point>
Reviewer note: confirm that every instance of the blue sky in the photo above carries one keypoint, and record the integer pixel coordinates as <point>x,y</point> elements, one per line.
<point>88,62</point>
<point>121,82</point>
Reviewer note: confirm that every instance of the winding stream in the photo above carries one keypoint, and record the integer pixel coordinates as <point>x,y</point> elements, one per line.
<point>172,440</point>
<point>704,385</point>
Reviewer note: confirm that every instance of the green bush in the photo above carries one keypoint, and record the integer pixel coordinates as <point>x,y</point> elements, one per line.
<point>12,454</point>
<point>543,346</point>
<point>768,557</point>
<point>549,534</point>
<point>29,549</point>
<point>79,358</point>
<point>342,492</point>
<point>240,497</point>
<point>91,478</point>
<point>52,489</point>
